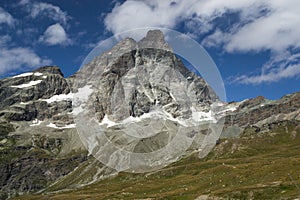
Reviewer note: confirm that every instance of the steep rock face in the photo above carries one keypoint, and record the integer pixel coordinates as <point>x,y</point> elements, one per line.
<point>24,97</point>
<point>50,70</point>
<point>137,76</point>
<point>154,39</point>
<point>42,83</point>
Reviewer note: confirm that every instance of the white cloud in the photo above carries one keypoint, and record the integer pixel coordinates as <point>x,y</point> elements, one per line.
<point>19,58</point>
<point>136,14</point>
<point>41,9</point>
<point>196,15</point>
<point>280,67</point>
<point>217,38</point>
<point>55,35</point>
<point>271,25</point>
<point>4,39</point>
<point>6,18</point>
<point>273,76</point>
<point>276,31</point>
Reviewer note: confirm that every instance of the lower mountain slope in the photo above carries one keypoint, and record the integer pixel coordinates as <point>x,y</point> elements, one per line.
<point>260,164</point>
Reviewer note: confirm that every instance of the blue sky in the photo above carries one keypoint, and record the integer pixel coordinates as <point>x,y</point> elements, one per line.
<point>254,43</point>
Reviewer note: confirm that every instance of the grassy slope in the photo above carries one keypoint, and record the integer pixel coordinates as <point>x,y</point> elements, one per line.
<point>256,167</point>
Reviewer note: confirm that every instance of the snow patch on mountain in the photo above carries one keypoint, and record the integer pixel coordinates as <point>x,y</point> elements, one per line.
<point>38,74</point>
<point>196,118</point>
<point>80,98</point>
<point>60,97</point>
<point>25,85</point>
<point>106,121</point>
<point>28,74</point>
<point>36,122</point>
<point>51,125</point>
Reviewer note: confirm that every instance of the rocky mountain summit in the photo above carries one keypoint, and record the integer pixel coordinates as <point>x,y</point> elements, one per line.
<point>136,76</point>
<point>135,83</point>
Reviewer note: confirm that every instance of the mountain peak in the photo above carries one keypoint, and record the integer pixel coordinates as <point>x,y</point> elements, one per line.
<point>49,70</point>
<point>155,35</point>
<point>154,39</point>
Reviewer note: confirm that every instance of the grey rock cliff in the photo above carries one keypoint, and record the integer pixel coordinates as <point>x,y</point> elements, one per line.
<point>22,97</point>
<point>137,76</point>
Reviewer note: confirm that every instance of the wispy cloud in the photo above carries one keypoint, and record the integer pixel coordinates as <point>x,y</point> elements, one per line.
<point>46,10</point>
<point>276,69</point>
<point>4,39</point>
<point>6,18</point>
<point>277,74</point>
<point>55,35</point>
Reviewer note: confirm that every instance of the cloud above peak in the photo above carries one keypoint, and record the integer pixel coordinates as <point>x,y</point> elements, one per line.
<point>136,14</point>
<point>55,35</point>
